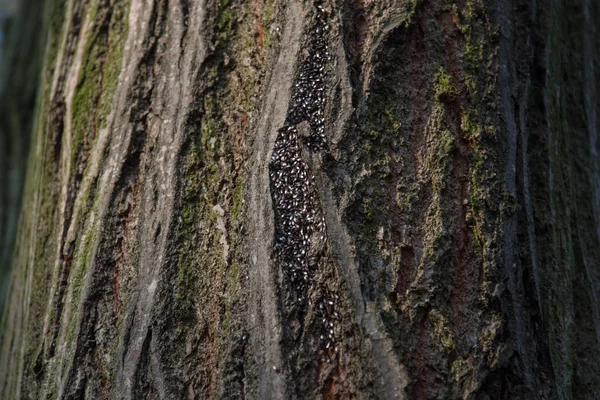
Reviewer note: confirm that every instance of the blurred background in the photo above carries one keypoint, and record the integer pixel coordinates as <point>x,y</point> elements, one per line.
<point>21,48</point>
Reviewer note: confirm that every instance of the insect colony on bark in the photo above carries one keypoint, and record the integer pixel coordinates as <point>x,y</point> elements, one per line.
<point>300,225</point>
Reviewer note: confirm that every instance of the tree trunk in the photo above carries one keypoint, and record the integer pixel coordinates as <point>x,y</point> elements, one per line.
<point>291,199</point>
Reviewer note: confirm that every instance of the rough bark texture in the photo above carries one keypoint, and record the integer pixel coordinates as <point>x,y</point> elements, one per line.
<point>460,189</point>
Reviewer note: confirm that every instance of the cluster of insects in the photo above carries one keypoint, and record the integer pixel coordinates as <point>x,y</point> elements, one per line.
<point>300,225</point>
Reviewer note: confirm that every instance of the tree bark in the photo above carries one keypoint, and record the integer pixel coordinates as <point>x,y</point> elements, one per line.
<point>188,233</point>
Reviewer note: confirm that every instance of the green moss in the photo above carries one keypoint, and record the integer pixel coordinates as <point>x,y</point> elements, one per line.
<point>86,93</point>
<point>459,369</point>
<point>226,320</point>
<point>441,332</point>
<point>440,144</point>
<point>225,21</point>
<point>213,75</point>
<point>268,15</point>
<point>470,123</point>
<point>118,31</point>
<point>192,193</point>
<point>444,87</point>
<point>237,205</point>
<point>98,77</point>
<point>412,7</point>
<point>390,114</point>
<point>268,11</point>
<point>473,61</point>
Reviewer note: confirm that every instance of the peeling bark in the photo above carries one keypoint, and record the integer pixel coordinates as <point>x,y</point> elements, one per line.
<point>458,185</point>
